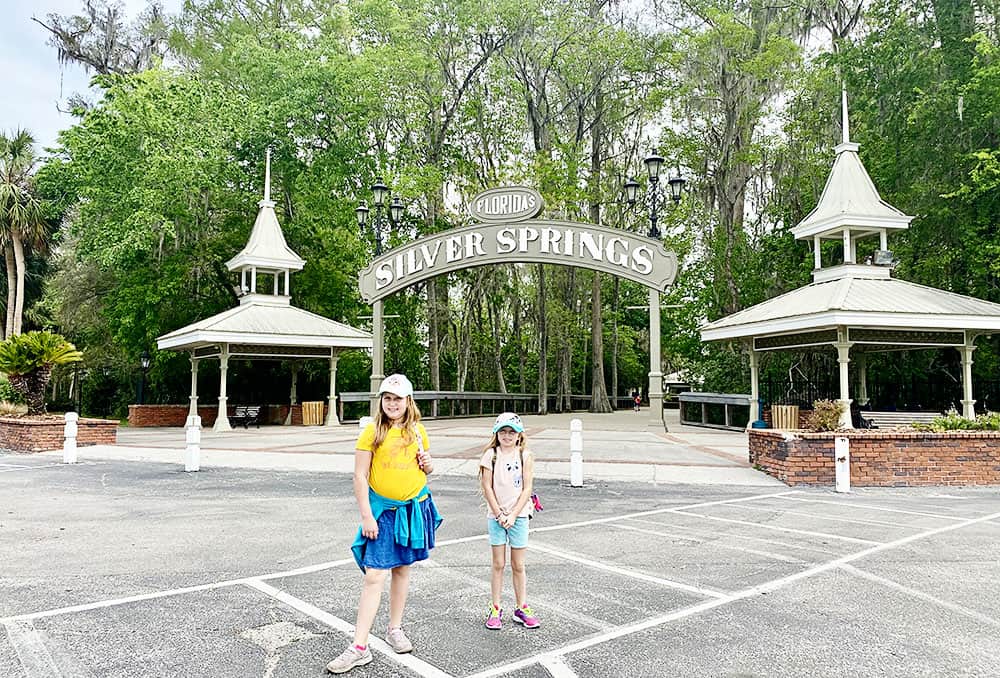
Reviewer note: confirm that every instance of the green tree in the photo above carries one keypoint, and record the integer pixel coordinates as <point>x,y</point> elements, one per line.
<point>22,219</point>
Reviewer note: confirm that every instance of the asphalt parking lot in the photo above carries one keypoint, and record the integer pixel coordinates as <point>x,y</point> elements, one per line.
<point>122,568</point>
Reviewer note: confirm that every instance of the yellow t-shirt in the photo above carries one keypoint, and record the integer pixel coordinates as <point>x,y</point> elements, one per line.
<point>394,472</point>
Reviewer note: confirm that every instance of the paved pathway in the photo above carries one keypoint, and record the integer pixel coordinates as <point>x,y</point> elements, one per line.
<point>619,446</point>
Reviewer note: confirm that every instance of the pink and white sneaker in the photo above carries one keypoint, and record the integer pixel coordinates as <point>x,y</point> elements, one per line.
<point>524,615</point>
<point>495,619</point>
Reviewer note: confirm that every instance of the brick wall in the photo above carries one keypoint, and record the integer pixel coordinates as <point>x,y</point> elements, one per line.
<point>143,416</point>
<point>37,435</point>
<point>880,459</point>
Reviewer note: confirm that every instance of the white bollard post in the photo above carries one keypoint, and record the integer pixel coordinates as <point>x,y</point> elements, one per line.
<point>364,421</point>
<point>69,438</point>
<point>192,454</point>
<point>576,453</point>
<point>842,463</point>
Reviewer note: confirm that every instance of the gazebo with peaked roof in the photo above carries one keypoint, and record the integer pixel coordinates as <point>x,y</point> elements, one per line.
<point>857,308</point>
<point>265,326</point>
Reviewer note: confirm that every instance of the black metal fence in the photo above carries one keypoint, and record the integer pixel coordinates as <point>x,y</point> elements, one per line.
<point>910,394</point>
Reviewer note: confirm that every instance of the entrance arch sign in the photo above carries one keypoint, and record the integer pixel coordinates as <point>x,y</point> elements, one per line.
<point>538,241</point>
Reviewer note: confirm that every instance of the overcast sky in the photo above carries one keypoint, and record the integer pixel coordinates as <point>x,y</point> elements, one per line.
<point>35,84</point>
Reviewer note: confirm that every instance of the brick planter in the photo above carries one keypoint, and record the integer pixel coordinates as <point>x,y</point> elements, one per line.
<point>892,458</point>
<point>38,435</point>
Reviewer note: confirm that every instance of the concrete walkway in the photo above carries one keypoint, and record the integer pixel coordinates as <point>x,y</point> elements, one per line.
<point>619,446</point>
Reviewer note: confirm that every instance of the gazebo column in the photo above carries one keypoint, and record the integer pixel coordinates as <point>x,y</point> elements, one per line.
<point>378,349</point>
<point>817,253</point>
<point>193,407</point>
<point>862,379</point>
<point>754,387</point>
<point>331,414</point>
<point>844,359</point>
<point>293,396</point>
<point>968,404</point>
<point>222,419</point>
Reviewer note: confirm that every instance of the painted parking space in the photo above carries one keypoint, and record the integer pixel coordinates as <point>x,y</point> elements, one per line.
<point>237,572</point>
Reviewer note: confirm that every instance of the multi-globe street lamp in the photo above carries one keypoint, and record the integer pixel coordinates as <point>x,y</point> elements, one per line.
<point>383,208</point>
<point>378,229</point>
<point>655,198</point>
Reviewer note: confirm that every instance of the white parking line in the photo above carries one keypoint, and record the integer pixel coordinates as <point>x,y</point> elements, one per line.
<point>654,512</point>
<point>710,604</point>
<point>411,662</point>
<point>627,572</point>
<point>824,535</point>
<point>737,536</point>
<point>852,504</point>
<point>964,611</point>
<point>817,516</point>
<point>557,667</point>
<point>27,468</point>
<point>716,544</point>
<point>39,656</point>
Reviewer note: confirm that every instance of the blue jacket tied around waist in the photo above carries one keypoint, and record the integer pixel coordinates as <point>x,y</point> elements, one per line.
<point>410,531</point>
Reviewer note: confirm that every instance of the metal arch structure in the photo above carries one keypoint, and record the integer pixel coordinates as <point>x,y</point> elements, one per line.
<point>518,238</point>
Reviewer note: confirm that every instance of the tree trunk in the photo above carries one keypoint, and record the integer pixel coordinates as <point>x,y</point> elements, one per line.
<point>15,239</point>
<point>8,254</point>
<point>598,390</point>
<point>565,390</point>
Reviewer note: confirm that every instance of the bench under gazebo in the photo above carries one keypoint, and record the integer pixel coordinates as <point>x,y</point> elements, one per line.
<point>265,326</point>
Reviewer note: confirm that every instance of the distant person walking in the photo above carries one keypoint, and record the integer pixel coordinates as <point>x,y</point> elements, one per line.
<point>506,477</point>
<point>398,516</point>
<point>636,400</point>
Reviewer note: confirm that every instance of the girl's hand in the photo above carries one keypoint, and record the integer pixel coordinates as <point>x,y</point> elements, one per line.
<point>369,528</point>
<point>506,521</point>
<point>423,460</point>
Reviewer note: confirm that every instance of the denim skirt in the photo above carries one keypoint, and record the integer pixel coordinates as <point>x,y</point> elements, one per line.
<point>383,553</point>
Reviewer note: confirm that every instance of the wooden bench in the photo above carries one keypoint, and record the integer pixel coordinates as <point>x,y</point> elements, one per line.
<point>246,415</point>
<point>892,419</point>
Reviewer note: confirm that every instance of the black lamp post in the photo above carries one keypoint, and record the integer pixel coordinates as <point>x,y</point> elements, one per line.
<point>383,209</point>
<point>144,361</point>
<point>654,163</point>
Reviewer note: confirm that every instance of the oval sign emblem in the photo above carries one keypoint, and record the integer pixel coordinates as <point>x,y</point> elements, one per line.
<point>510,203</point>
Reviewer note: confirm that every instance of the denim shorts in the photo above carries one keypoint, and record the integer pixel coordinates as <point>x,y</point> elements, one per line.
<point>516,535</point>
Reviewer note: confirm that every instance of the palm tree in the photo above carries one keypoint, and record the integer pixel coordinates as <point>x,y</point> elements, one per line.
<point>28,359</point>
<point>22,219</point>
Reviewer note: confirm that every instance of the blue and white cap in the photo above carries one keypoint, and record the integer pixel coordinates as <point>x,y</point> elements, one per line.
<point>508,420</point>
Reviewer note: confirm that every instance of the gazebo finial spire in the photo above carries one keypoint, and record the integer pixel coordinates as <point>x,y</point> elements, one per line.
<point>267,173</point>
<point>846,125</point>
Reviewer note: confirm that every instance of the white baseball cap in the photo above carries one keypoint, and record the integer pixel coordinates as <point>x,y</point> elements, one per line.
<point>508,420</point>
<point>397,384</point>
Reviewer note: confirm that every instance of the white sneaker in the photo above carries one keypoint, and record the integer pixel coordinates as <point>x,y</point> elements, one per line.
<point>398,640</point>
<point>350,658</point>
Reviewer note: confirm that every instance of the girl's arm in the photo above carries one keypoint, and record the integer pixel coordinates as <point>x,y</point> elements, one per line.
<point>362,467</point>
<point>486,482</point>
<point>424,460</point>
<point>527,485</point>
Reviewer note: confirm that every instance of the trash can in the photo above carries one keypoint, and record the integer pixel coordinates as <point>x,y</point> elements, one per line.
<point>785,416</point>
<point>312,413</point>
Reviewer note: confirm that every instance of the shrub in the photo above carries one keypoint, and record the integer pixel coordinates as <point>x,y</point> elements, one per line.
<point>28,359</point>
<point>825,415</point>
<point>955,422</point>
<point>8,409</point>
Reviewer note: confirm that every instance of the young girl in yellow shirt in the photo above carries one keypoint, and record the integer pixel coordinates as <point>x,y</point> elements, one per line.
<point>398,516</point>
